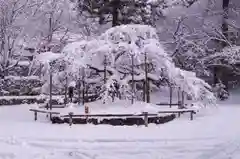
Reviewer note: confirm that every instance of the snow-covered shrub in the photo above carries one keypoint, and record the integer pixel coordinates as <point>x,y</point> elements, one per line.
<point>121,48</point>
<point>220,92</point>
<point>14,85</point>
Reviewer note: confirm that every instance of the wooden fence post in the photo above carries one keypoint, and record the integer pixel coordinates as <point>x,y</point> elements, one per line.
<point>171,93</point>
<point>180,105</point>
<point>70,118</point>
<point>35,115</point>
<point>145,119</point>
<point>47,106</point>
<point>191,115</point>
<point>179,114</point>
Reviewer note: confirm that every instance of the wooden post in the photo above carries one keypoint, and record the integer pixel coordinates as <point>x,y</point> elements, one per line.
<point>147,87</point>
<point>145,119</point>
<point>180,106</point>
<point>86,112</point>
<point>86,93</point>
<point>171,93</point>
<point>105,69</point>
<point>70,118</point>
<point>83,86</point>
<point>178,93</point>
<point>132,100</point>
<point>179,114</point>
<point>182,98</point>
<point>50,29</point>
<point>66,90</point>
<point>47,106</point>
<point>40,72</point>
<point>35,115</point>
<point>79,88</point>
<point>50,97</point>
<point>191,115</point>
<point>144,91</point>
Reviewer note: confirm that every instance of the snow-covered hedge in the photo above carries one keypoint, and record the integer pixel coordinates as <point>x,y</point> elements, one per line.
<point>117,121</point>
<point>15,85</point>
<point>17,100</point>
<point>19,70</point>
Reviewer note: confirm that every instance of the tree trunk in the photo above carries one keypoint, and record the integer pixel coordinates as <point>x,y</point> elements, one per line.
<point>133,83</point>
<point>105,69</point>
<point>50,93</point>
<point>83,86</point>
<point>148,91</point>
<point>115,7</point>
<point>225,7</point>
<point>147,87</point>
<point>225,30</point>
<point>215,76</point>
<point>79,86</point>
<point>66,90</point>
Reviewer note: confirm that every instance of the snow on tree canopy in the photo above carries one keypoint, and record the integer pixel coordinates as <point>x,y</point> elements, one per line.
<point>171,3</point>
<point>229,55</point>
<point>118,45</point>
<point>47,57</point>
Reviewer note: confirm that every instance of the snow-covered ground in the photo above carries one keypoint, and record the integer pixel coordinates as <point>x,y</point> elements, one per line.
<point>213,134</point>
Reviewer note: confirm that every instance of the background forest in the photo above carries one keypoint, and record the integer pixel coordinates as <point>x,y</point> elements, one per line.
<point>201,36</point>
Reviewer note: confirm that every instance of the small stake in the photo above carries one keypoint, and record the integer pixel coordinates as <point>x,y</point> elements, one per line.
<point>191,115</point>
<point>35,115</point>
<point>145,119</point>
<point>70,118</point>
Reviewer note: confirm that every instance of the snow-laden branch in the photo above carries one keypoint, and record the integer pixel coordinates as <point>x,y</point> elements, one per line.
<point>229,55</point>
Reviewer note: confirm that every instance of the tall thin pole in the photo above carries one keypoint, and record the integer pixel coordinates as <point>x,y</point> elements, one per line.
<point>40,72</point>
<point>105,69</point>
<point>171,93</point>
<point>66,90</point>
<point>179,100</point>
<point>146,79</point>
<point>144,90</point>
<point>133,91</point>
<point>183,98</point>
<point>83,85</point>
<point>50,29</point>
<point>79,87</point>
<point>50,93</point>
<point>86,92</point>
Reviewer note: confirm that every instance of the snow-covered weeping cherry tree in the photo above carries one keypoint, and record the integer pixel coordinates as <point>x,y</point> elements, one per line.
<point>115,52</point>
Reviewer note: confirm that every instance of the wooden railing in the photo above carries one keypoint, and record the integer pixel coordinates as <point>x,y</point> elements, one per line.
<point>70,116</point>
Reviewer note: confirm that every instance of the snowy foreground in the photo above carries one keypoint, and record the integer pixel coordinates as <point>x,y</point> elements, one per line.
<point>213,134</point>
